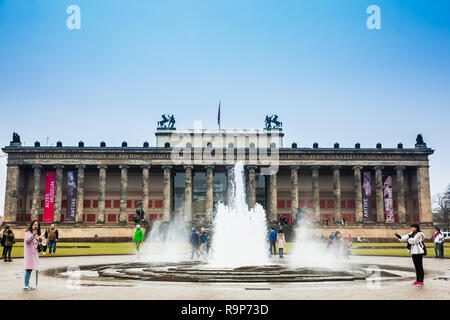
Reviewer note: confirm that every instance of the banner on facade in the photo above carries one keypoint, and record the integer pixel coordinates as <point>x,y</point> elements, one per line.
<point>367,196</point>
<point>71,196</point>
<point>49,202</point>
<point>387,195</point>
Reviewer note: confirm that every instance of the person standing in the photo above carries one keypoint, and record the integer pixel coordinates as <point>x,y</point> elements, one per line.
<point>417,249</point>
<point>193,240</point>
<point>281,242</point>
<point>438,238</point>
<point>9,242</point>
<point>31,253</point>
<point>138,239</point>
<point>45,241</point>
<point>273,240</point>
<point>203,241</point>
<point>52,238</point>
<point>4,235</point>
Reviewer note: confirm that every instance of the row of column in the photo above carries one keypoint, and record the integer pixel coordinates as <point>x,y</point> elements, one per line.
<point>13,181</point>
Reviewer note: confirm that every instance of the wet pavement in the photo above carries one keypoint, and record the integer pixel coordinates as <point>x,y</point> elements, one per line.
<point>61,278</point>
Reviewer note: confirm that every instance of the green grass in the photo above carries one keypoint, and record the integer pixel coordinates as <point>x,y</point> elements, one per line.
<point>96,248</point>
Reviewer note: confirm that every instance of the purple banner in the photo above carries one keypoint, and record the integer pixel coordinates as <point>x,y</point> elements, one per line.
<point>388,201</point>
<point>71,196</point>
<point>367,196</point>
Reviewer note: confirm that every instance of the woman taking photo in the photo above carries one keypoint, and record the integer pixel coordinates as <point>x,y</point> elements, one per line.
<point>417,249</point>
<point>31,253</point>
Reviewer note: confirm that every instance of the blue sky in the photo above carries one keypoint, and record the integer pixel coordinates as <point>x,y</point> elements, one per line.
<point>315,63</point>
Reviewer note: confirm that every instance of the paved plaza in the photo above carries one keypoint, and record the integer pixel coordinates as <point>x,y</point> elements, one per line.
<point>50,287</point>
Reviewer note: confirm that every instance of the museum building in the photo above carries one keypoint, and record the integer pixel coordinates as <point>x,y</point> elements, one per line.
<point>367,190</point>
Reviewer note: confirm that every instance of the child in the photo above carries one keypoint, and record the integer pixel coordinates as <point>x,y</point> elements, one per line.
<point>9,242</point>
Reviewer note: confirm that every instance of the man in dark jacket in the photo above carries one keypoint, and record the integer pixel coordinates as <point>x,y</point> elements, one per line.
<point>194,241</point>
<point>52,238</point>
<point>4,236</point>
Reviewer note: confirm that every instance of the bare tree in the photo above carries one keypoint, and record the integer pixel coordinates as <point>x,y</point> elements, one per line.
<point>441,212</point>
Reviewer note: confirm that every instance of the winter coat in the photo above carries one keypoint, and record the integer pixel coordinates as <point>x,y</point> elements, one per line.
<point>194,238</point>
<point>273,235</point>
<point>204,237</point>
<point>438,238</point>
<point>53,234</point>
<point>281,242</point>
<point>30,253</point>
<point>138,235</point>
<point>416,242</point>
<point>10,240</point>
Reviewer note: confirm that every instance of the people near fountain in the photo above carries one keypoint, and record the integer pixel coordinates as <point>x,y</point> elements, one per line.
<point>194,241</point>
<point>346,248</point>
<point>203,241</point>
<point>138,239</point>
<point>52,239</point>
<point>331,241</point>
<point>9,242</point>
<point>281,242</point>
<point>31,253</point>
<point>272,241</point>
<point>339,246</point>
<point>416,247</point>
<point>438,239</point>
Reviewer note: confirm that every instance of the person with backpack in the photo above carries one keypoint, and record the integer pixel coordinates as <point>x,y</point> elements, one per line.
<point>438,239</point>
<point>4,235</point>
<point>417,249</point>
<point>9,242</point>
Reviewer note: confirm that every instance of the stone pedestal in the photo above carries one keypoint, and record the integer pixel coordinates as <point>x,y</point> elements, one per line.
<point>35,201</point>
<point>80,194</point>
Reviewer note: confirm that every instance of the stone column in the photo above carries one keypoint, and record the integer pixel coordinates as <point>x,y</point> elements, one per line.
<point>58,193</point>
<point>188,193</point>
<point>80,193</point>
<point>167,193</point>
<point>230,184</point>
<point>251,186</point>
<point>11,193</point>
<point>123,193</point>
<point>35,202</point>
<point>145,181</point>
<point>316,195</point>
<point>273,197</point>
<point>400,194</point>
<point>101,193</point>
<point>379,194</point>
<point>358,193</point>
<point>294,190</point>
<point>209,189</point>
<point>424,198</point>
<point>337,193</point>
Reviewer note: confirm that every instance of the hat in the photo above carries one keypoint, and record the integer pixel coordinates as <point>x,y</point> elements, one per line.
<point>138,226</point>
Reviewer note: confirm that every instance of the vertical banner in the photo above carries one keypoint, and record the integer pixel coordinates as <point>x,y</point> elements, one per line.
<point>367,196</point>
<point>49,202</point>
<point>387,195</point>
<point>71,196</point>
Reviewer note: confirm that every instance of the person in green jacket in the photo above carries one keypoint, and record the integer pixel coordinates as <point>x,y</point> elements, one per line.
<point>138,238</point>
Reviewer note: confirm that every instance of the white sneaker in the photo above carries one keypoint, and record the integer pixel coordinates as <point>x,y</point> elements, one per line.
<point>44,253</point>
<point>27,288</point>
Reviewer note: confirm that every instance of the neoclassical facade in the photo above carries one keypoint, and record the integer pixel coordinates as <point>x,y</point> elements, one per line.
<point>187,175</point>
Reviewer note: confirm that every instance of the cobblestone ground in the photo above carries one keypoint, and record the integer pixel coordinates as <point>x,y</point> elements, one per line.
<point>50,287</point>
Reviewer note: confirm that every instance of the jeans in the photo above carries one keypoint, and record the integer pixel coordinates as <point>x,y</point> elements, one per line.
<point>203,248</point>
<point>27,277</point>
<point>194,250</point>
<point>8,252</point>
<point>51,243</point>
<point>281,252</point>
<point>439,249</point>
<point>418,265</point>
<point>273,245</point>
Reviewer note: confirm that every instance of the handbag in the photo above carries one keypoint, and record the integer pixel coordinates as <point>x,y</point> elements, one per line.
<point>40,247</point>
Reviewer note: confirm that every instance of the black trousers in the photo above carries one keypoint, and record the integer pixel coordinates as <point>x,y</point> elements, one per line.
<point>418,264</point>
<point>8,252</point>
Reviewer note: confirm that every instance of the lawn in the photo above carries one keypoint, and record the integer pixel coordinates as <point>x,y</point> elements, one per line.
<point>96,248</point>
